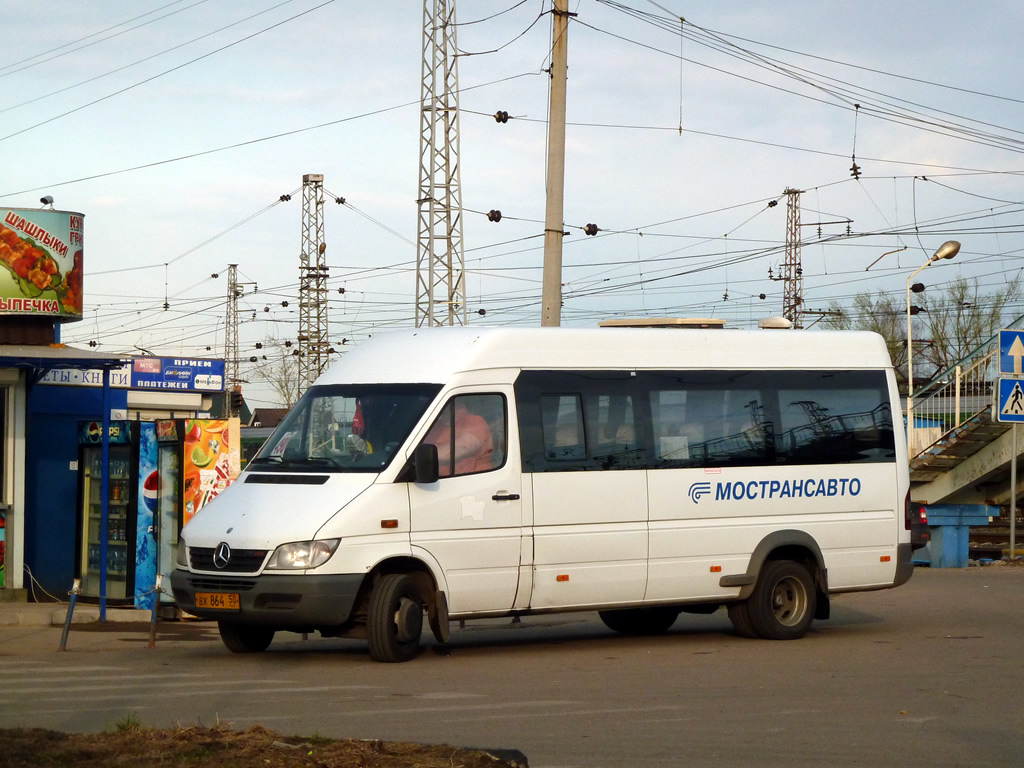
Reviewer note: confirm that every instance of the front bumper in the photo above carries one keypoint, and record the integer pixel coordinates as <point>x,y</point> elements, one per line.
<point>294,601</point>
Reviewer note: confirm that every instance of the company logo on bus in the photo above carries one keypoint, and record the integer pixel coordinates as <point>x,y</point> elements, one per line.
<point>758,490</point>
<point>697,490</point>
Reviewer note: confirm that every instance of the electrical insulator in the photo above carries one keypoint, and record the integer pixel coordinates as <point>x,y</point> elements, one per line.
<point>761,296</point>
<point>252,359</point>
<point>591,229</point>
<point>481,312</point>
<point>855,170</point>
<point>501,116</point>
<point>287,343</point>
<point>917,288</point>
<point>494,216</point>
<point>772,203</point>
<point>285,198</point>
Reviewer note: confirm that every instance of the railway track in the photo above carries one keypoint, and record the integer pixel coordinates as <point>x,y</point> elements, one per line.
<point>993,543</point>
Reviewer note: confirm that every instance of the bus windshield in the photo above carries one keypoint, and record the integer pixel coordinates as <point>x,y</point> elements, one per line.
<point>345,428</point>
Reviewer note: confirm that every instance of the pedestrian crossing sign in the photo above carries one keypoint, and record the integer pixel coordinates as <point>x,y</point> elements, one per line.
<point>1011,400</point>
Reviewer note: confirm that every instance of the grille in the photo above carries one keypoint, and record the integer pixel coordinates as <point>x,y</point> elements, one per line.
<point>241,561</point>
<point>213,584</point>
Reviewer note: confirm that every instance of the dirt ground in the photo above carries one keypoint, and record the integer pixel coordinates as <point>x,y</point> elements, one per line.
<point>132,746</point>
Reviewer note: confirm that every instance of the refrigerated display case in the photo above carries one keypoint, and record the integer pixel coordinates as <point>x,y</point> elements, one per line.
<point>161,474</point>
<point>120,531</point>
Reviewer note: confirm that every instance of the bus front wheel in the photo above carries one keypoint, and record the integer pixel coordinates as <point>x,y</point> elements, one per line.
<point>782,605</point>
<point>394,620</point>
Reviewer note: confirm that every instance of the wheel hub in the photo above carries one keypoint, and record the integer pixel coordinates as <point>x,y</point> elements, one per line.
<point>408,620</point>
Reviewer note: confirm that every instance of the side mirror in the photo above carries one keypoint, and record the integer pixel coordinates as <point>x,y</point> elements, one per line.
<point>425,465</point>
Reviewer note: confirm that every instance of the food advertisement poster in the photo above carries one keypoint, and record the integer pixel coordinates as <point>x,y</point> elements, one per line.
<point>41,262</point>
<point>212,461</point>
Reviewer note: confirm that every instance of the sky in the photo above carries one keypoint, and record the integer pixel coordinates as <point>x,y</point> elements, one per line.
<point>177,127</point>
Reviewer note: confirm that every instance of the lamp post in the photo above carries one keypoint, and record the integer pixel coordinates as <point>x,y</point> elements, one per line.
<point>947,250</point>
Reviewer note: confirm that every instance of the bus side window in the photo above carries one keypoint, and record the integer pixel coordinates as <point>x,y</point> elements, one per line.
<point>562,425</point>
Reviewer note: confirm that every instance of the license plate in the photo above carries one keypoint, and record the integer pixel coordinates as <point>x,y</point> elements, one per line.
<point>227,601</point>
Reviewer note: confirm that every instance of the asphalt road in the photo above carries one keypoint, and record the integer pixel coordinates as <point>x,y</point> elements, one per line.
<point>930,674</point>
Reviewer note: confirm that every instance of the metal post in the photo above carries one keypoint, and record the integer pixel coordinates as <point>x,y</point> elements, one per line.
<point>104,491</point>
<point>551,298</point>
<point>157,590</point>
<point>956,416</point>
<point>1013,493</point>
<point>75,589</point>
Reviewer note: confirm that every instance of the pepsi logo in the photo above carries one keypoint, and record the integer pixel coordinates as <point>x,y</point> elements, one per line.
<point>151,490</point>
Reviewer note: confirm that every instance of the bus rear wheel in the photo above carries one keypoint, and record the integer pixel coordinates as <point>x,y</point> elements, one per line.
<point>739,615</point>
<point>783,602</point>
<point>245,638</point>
<point>640,621</point>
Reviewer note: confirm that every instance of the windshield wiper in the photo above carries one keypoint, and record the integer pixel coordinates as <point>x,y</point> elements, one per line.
<point>266,460</point>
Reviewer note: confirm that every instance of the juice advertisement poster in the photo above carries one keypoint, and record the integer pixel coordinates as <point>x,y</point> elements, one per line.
<point>212,461</point>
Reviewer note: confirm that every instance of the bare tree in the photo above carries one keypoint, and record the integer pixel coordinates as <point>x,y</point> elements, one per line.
<point>959,320</point>
<point>880,314</point>
<point>280,371</point>
<point>949,327</point>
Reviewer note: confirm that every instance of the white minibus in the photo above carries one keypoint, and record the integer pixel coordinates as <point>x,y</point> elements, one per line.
<point>456,473</point>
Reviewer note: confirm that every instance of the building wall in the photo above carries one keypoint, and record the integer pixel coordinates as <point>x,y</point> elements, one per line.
<point>51,485</point>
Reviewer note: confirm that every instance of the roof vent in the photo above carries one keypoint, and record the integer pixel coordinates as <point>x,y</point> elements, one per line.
<point>775,322</point>
<point>663,322</point>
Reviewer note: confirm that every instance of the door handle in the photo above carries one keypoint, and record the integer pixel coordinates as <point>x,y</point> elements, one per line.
<point>505,497</point>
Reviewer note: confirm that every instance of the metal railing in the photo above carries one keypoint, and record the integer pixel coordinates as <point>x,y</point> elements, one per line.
<point>955,395</point>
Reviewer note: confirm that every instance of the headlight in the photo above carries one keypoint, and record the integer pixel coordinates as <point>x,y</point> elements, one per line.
<point>181,553</point>
<point>303,554</point>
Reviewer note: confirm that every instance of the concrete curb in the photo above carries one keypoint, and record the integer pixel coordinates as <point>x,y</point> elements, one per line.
<point>55,614</point>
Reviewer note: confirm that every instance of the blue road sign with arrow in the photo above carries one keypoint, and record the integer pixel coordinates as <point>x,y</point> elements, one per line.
<point>1011,400</point>
<point>1011,352</point>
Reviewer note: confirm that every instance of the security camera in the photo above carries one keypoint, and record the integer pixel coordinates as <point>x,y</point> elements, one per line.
<point>47,200</point>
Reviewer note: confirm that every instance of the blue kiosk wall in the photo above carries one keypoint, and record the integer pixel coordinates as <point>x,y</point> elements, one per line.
<point>51,486</point>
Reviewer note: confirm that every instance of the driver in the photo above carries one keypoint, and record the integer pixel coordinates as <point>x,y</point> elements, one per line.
<point>473,443</point>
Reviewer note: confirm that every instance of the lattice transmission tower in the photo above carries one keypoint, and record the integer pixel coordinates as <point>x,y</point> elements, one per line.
<point>440,282</point>
<point>792,270</point>
<point>231,331</point>
<point>313,347</point>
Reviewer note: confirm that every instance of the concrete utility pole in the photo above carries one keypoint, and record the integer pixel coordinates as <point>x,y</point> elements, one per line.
<point>551,299</point>
<point>440,281</point>
<point>313,347</point>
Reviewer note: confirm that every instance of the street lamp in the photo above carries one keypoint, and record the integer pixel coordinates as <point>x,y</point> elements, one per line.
<point>947,250</point>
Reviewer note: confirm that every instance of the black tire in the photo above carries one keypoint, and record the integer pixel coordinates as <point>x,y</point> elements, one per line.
<point>739,615</point>
<point>640,621</point>
<point>394,619</point>
<point>245,638</point>
<point>783,602</point>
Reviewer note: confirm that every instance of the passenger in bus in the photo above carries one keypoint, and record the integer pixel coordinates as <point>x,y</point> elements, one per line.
<point>473,444</point>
